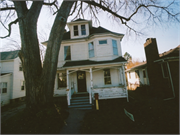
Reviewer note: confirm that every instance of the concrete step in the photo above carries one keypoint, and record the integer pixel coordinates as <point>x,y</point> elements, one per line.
<point>81,106</point>
<point>80,103</point>
<point>86,97</point>
<point>79,100</point>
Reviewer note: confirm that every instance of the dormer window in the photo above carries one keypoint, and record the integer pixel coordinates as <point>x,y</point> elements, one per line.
<point>83,30</point>
<point>76,30</point>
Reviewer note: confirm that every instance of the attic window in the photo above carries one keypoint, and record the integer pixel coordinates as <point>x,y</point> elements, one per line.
<point>76,30</point>
<point>83,30</point>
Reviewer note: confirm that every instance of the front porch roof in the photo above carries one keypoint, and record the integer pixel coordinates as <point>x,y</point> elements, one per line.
<point>90,62</point>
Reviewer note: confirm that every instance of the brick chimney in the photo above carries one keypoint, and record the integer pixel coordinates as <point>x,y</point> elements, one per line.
<point>153,69</point>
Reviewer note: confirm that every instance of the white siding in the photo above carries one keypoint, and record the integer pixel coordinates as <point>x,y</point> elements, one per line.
<point>17,78</point>
<point>7,66</point>
<point>5,97</point>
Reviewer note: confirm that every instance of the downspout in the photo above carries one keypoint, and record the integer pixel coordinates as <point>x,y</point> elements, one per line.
<point>171,83</point>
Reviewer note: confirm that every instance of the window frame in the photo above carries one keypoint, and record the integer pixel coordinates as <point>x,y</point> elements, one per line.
<point>83,29</point>
<point>2,88</point>
<point>23,85</point>
<point>103,43</point>
<point>114,53</point>
<point>90,50</point>
<point>58,80</point>
<point>20,67</point>
<point>75,30</point>
<point>65,59</point>
<point>107,76</point>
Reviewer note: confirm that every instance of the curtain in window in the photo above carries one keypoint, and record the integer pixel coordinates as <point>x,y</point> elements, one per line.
<point>91,49</point>
<point>115,50</point>
<point>67,53</point>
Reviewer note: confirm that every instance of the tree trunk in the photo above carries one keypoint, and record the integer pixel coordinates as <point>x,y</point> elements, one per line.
<point>39,82</point>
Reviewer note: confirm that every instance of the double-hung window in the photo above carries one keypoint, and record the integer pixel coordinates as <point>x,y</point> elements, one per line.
<point>107,76</point>
<point>91,49</point>
<point>83,30</point>
<point>115,49</point>
<point>67,53</point>
<point>76,30</point>
<point>20,66</point>
<point>3,87</point>
<point>22,85</point>
<point>62,80</point>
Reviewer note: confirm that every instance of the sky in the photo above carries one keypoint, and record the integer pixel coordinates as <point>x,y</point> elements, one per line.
<point>166,37</point>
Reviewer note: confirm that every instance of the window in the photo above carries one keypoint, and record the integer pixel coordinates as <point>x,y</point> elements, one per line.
<point>129,75</point>
<point>91,49</point>
<point>62,80</point>
<point>137,73</point>
<point>115,49</point>
<point>164,69</point>
<point>20,67</point>
<point>107,76</point>
<point>144,74</point>
<point>3,87</point>
<point>76,30</point>
<point>67,53</point>
<point>22,85</point>
<point>83,30</point>
<point>103,42</point>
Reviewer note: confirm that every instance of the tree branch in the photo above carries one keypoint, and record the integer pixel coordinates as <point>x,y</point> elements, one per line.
<point>9,25</point>
<point>7,8</point>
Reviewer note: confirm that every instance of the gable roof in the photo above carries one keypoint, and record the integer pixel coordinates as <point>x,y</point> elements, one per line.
<point>9,55</point>
<point>90,62</point>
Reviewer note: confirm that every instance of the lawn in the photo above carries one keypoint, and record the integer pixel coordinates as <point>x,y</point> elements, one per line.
<point>160,117</point>
<point>44,122</point>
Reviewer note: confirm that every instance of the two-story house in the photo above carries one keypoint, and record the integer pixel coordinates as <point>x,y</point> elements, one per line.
<point>12,84</point>
<point>90,61</point>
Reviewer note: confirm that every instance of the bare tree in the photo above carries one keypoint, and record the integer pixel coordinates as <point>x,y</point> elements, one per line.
<point>40,80</point>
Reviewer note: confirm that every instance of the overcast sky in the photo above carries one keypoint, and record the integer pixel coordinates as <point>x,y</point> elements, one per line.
<point>167,37</point>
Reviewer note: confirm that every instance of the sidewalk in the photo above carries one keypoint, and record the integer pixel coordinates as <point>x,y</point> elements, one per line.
<point>74,121</point>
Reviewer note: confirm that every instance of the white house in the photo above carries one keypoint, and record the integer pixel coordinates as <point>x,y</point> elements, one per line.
<point>137,76</point>
<point>90,61</point>
<point>11,78</point>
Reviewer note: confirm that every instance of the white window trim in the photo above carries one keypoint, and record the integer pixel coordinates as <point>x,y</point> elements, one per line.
<point>110,78</point>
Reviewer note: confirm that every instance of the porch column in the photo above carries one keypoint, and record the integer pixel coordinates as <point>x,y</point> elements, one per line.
<point>91,77</point>
<point>91,86</point>
<point>121,76</point>
<point>124,78</point>
<point>67,77</point>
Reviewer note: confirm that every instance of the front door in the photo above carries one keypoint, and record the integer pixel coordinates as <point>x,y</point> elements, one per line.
<point>81,79</point>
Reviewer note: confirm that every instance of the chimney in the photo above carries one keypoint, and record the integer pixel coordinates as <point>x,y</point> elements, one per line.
<point>153,69</point>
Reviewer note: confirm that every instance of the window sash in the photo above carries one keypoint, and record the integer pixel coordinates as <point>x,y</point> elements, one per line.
<point>3,87</point>
<point>91,49</point>
<point>102,41</point>
<point>76,30</point>
<point>67,53</point>
<point>115,49</point>
<point>62,80</point>
<point>83,30</point>
<point>107,76</point>
<point>22,85</point>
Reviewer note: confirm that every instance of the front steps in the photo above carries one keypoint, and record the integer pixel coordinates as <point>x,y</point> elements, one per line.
<point>80,101</point>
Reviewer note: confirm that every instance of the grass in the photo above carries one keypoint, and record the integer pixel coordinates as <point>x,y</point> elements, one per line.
<point>159,118</point>
<point>43,122</point>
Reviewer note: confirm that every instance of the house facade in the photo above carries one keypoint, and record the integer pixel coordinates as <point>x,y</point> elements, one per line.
<point>12,84</point>
<point>161,71</point>
<point>90,61</point>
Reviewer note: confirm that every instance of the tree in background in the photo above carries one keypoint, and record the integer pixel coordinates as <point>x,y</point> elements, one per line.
<point>40,80</point>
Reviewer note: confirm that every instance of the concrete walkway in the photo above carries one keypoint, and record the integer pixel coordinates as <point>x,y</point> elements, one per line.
<point>74,121</point>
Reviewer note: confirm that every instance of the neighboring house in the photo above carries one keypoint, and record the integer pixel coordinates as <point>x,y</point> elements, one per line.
<point>90,61</point>
<point>160,71</point>
<point>137,76</point>
<point>11,77</point>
